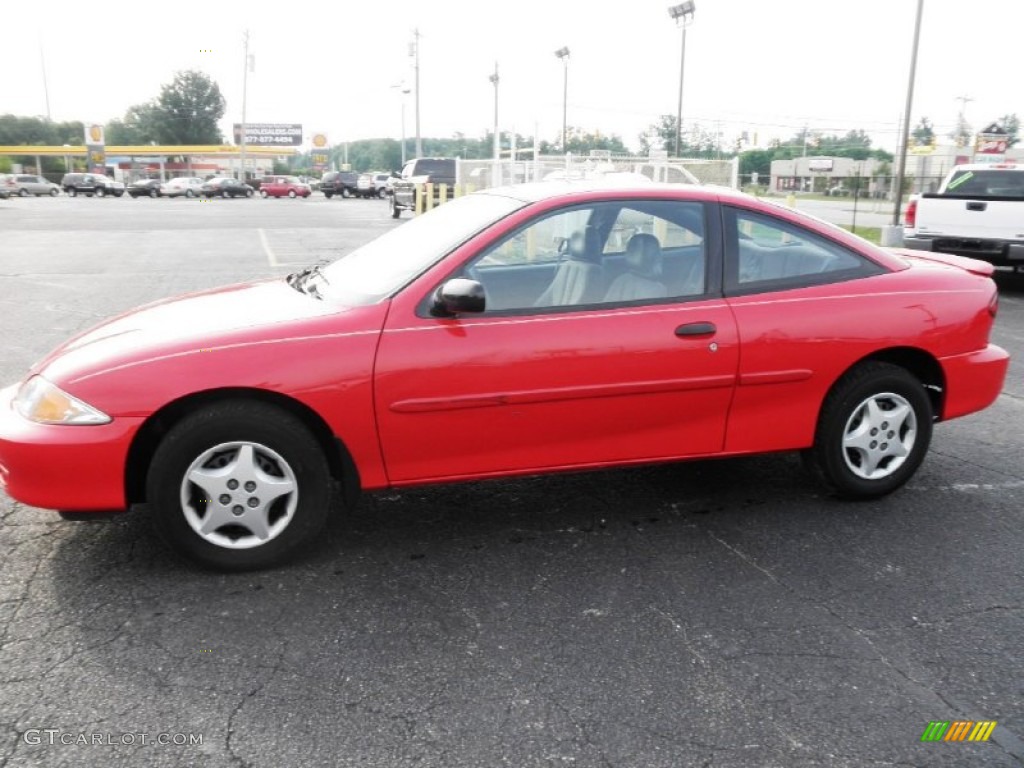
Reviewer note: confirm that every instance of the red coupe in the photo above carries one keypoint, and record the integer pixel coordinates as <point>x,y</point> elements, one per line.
<point>529,329</point>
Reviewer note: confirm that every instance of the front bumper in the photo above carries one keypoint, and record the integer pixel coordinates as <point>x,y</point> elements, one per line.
<point>974,380</point>
<point>73,468</point>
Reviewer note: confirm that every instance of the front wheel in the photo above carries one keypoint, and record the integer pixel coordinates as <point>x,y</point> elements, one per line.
<point>54,192</point>
<point>291,193</point>
<point>23,192</point>
<point>395,210</point>
<point>346,192</point>
<point>239,485</point>
<point>73,192</point>
<point>873,432</point>
<point>263,194</point>
<point>100,192</point>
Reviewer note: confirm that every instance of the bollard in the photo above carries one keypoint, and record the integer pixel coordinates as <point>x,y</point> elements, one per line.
<point>791,200</point>
<point>429,192</point>
<point>443,194</point>
<point>419,199</point>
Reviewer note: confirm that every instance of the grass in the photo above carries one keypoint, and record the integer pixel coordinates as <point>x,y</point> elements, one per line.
<point>874,234</point>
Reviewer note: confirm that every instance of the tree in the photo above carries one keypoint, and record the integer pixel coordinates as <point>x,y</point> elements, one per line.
<point>1011,124</point>
<point>694,142</point>
<point>187,110</point>
<point>139,126</point>
<point>757,161</point>
<point>924,133</point>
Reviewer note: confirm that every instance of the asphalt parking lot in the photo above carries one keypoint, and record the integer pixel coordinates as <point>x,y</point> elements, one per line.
<point>707,614</point>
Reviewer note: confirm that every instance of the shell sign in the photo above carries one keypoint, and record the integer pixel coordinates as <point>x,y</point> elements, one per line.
<point>94,134</point>
<point>319,140</point>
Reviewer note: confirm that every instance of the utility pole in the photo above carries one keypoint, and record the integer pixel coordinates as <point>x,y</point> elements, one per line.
<point>245,90</point>
<point>414,51</point>
<point>961,120</point>
<point>46,87</point>
<point>905,138</point>
<point>496,168</point>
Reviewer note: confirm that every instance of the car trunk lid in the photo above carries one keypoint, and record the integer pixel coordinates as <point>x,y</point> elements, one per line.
<point>974,266</point>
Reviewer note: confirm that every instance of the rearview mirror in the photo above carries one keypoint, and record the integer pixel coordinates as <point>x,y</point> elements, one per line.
<point>458,295</point>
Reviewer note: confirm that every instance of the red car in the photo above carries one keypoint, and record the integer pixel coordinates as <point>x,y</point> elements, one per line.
<point>529,329</point>
<point>284,186</point>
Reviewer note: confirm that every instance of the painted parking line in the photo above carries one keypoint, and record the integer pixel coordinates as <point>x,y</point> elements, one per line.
<point>271,258</point>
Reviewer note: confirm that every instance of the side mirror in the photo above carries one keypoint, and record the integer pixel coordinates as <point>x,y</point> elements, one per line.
<point>458,295</point>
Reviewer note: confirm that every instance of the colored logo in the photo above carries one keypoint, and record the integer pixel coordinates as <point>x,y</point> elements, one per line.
<point>96,134</point>
<point>958,730</point>
<point>319,140</point>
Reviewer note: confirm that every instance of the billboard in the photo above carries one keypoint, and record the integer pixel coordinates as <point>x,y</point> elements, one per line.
<point>270,134</point>
<point>822,164</point>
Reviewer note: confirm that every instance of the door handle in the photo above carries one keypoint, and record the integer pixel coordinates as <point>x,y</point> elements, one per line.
<point>696,329</point>
<point>977,206</point>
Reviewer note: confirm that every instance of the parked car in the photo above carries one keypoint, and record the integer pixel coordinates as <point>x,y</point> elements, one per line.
<point>183,186</point>
<point>91,184</point>
<point>422,170</point>
<point>528,329</point>
<point>7,186</point>
<point>976,213</point>
<point>284,186</point>
<point>34,185</point>
<point>225,186</point>
<point>372,185</point>
<point>341,183</point>
<point>145,188</point>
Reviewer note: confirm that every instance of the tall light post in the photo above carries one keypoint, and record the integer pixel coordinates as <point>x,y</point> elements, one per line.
<point>563,54</point>
<point>249,66</point>
<point>495,171</point>
<point>902,166</point>
<point>683,16</point>
<point>494,81</point>
<point>414,51</point>
<point>405,92</point>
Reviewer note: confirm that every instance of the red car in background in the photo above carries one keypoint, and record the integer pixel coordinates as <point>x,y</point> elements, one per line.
<point>284,186</point>
<point>529,329</point>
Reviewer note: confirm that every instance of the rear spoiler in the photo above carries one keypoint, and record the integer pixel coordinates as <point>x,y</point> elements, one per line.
<point>974,266</point>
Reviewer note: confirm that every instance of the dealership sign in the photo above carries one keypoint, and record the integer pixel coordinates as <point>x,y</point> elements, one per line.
<point>270,134</point>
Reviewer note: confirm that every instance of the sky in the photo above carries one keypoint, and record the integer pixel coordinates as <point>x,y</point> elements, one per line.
<point>767,67</point>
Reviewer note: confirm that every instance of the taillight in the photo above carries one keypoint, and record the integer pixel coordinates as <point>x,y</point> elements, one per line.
<point>993,304</point>
<point>910,216</point>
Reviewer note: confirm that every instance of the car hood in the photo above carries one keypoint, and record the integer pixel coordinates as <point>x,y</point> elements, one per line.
<point>197,323</point>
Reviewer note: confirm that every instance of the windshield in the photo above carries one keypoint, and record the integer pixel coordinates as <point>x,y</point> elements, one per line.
<point>384,265</point>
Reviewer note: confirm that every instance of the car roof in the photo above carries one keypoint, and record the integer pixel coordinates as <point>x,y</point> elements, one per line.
<point>534,192</point>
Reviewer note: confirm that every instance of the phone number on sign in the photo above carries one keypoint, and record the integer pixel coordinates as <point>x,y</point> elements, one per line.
<point>53,736</point>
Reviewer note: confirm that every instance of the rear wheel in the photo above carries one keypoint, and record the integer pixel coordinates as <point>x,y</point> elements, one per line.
<point>291,193</point>
<point>239,485</point>
<point>189,193</point>
<point>54,192</point>
<point>873,432</point>
<point>263,193</point>
<point>23,192</point>
<point>395,210</point>
<point>73,192</point>
<point>345,192</point>
<point>154,193</point>
<point>100,192</point>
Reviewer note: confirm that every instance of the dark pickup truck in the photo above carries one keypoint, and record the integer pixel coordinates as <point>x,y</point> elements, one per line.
<point>422,170</point>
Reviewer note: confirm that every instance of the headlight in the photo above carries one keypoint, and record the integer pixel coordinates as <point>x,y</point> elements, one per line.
<point>40,401</point>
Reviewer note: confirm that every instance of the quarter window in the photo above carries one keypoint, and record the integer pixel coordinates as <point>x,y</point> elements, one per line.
<point>771,253</point>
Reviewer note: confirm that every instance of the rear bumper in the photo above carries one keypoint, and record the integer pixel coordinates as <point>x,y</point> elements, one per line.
<point>1004,253</point>
<point>73,468</point>
<point>974,380</point>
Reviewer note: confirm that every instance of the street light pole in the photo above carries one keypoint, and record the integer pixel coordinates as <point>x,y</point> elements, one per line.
<point>901,167</point>
<point>245,89</point>
<point>563,54</point>
<point>415,52</point>
<point>683,15</point>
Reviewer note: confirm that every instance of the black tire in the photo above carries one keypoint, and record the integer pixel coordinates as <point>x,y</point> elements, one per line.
<point>72,192</point>
<point>189,193</point>
<point>395,210</point>
<point>263,194</point>
<point>154,193</point>
<point>23,192</point>
<point>346,192</point>
<point>265,427</point>
<point>100,192</point>
<point>328,195</point>
<point>846,415</point>
<point>248,193</point>
<point>291,193</point>
<point>54,192</point>
<point>382,193</point>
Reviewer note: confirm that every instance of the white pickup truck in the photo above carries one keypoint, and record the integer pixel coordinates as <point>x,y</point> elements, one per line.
<point>977,212</point>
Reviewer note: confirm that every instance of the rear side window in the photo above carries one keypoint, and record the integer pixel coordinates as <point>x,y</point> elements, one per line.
<point>765,253</point>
